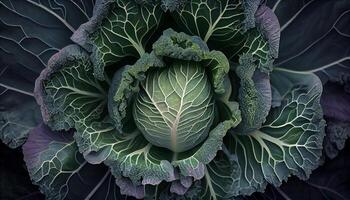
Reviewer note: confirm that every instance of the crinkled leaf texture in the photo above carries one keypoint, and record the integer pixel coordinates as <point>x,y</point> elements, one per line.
<point>289,142</point>
<point>329,181</point>
<point>254,95</point>
<point>55,165</point>
<point>118,29</point>
<point>68,92</point>
<point>323,50</point>
<point>230,27</point>
<point>30,33</point>
<point>177,46</point>
<point>128,153</point>
<point>132,156</point>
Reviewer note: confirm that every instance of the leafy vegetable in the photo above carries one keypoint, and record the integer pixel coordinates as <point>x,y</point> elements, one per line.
<point>138,109</point>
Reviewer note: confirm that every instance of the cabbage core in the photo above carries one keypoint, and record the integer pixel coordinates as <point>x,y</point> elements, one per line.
<point>175,106</point>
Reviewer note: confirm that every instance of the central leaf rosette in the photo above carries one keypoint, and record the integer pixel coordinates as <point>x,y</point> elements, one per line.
<point>172,94</point>
<point>175,106</point>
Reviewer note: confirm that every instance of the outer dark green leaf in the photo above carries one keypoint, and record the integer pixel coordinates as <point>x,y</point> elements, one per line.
<point>55,165</point>
<point>30,33</point>
<point>221,176</point>
<point>289,143</point>
<point>224,25</point>
<point>220,179</point>
<point>132,156</point>
<point>117,30</point>
<point>68,92</point>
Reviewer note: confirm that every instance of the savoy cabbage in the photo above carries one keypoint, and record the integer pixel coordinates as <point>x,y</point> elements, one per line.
<point>162,99</point>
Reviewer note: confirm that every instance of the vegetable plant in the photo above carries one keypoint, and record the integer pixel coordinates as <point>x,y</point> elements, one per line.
<point>161,99</point>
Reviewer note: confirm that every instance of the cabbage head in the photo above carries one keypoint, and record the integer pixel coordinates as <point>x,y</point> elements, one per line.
<point>160,99</point>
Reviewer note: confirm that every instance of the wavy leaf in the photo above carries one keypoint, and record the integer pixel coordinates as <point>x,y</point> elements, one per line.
<point>336,107</point>
<point>289,143</point>
<point>117,30</point>
<point>221,24</point>
<point>254,94</point>
<point>55,165</point>
<point>132,156</point>
<point>68,92</point>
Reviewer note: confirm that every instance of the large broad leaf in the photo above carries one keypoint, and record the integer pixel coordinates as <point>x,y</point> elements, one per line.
<point>330,181</point>
<point>132,156</point>
<point>290,141</point>
<point>308,47</point>
<point>55,165</point>
<point>117,30</point>
<point>223,24</point>
<point>220,179</point>
<point>31,31</point>
<point>221,176</point>
<point>68,92</point>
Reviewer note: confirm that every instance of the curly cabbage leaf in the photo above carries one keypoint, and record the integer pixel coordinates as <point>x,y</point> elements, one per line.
<point>117,30</point>
<point>224,25</point>
<point>289,142</point>
<point>132,156</point>
<point>221,176</point>
<point>308,55</point>
<point>68,92</point>
<point>55,165</point>
<point>255,96</point>
<point>171,44</point>
<point>172,5</point>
